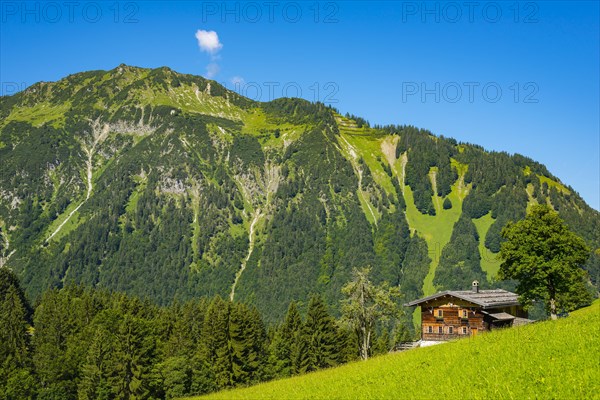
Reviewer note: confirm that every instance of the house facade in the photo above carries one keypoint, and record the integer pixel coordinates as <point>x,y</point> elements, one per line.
<point>455,314</point>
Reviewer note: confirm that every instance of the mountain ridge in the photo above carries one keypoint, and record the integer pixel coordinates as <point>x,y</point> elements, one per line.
<point>112,177</point>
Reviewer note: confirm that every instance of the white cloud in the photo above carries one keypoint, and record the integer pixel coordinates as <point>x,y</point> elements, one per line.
<point>238,81</point>
<point>212,70</point>
<point>208,41</point>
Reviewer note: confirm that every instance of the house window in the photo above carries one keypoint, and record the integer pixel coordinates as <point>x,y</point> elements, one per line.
<point>430,329</point>
<point>440,330</point>
<point>439,313</point>
<point>464,330</point>
<point>450,330</point>
<point>464,314</point>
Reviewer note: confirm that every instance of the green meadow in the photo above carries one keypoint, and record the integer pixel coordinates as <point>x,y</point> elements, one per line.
<point>546,360</point>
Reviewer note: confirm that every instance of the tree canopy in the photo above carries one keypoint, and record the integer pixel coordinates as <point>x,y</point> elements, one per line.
<point>546,258</point>
<point>365,305</point>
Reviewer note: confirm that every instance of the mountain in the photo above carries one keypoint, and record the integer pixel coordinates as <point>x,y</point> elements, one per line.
<point>169,186</point>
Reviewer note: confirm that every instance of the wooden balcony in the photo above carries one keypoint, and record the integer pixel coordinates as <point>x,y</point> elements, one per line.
<point>443,336</point>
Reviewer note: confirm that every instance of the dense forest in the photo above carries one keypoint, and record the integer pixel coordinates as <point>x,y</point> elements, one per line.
<point>84,343</point>
<point>168,187</point>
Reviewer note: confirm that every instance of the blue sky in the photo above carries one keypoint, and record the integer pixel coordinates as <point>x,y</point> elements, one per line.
<point>517,77</point>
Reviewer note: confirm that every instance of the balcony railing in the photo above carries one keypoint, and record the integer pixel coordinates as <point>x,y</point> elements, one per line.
<point>444,336</point>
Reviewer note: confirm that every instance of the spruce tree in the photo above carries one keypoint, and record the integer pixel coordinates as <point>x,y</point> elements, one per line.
<point>285,345</point>
<point>176,374</point>
<point>13,334</point>
<point>16,380</point>
<point>320,337</point>
<point>215,350</point>
<point>247,342</point>
<point>132,358</point>
<point>99,366</point>
<point>9,279</point>
<point>53,323</point>
<point>291,331</point>
<point>347,344</point>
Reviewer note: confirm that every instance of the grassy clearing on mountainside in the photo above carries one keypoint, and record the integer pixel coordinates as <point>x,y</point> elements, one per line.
<point>257,123</point>
<point>365,144</point>
<point>39,114</point>
<point>436,229</point>
<point>489,263</point>
<point>551,183</point>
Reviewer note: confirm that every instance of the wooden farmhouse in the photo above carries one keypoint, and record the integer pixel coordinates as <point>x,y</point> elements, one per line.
<point>455,314</point>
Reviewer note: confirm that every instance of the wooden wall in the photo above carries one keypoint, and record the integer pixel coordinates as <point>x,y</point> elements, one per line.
<point>451,317</point>
<point>451,307</point>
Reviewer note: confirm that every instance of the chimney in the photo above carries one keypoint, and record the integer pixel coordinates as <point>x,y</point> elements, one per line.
<point>475,287</point>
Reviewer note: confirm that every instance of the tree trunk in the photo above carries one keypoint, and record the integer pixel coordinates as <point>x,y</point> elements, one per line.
<point>364,348</point>
<point>365,329</point>
<point>367,344</point>
<point>552,295</point>
<point>552,308</point>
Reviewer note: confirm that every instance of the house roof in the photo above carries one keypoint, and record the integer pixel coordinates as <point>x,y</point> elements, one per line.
<point>522,321</point>
<point>484,298</point>
<point>501,316</point>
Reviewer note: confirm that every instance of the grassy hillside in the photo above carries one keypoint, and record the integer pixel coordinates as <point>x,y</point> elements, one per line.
<point>547,360</point>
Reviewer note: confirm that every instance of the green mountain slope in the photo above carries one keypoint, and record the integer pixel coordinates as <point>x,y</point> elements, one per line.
<point>170,186</point>
<point>552,360</point>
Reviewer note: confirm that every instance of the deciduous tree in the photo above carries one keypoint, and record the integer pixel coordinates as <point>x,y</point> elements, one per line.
<point>365,305</point>
<point>546,258</point>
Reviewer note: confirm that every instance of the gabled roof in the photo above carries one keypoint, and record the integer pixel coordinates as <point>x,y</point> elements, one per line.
<point>484,298</point>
